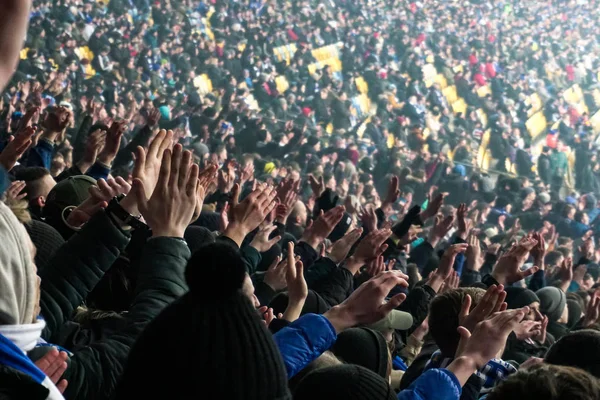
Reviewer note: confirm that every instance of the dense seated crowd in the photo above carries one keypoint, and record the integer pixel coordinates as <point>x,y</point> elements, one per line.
<point>280,200</point>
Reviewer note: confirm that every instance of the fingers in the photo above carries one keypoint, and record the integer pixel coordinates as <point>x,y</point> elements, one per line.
<point>62,385</point>
<point>528,272</point>
<point>466,306</point>
<point>165,171</point>
<point>176,158</point>
<point>192,185</point>
<point>393,303</point>
<point>140,194</point>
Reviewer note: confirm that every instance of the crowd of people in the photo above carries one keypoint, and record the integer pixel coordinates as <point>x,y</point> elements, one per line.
<point>161,240</point>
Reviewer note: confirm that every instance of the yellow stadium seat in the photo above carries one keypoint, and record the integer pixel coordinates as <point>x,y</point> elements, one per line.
<point>329,128</point>
<point>536,124</point>
<point>441,80</point>
<point>595,121</point>
<point>450,93</point>
<point>484,91</point>
<point>361,85</point>
<point>482,116</point>
<point>390,141</point>
<point>282,84</point>
<point>23,54</point>
<point>429,74</point>
<point>459,106</point>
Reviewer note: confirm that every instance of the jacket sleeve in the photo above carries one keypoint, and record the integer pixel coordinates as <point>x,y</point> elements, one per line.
<point>95,370</point>
<point>303,341</point>
<point>81,138</point>
<point>76,268</point>
<point>98,170</point>
<point>251,258</point>
<point>421,254</point>
<point>141,139</point>
<point>336,287</point>
<point>538,281</point>
<point>319,271</point>
<point>41,155</point>
<point>307,254</point>
<point>435,384</point>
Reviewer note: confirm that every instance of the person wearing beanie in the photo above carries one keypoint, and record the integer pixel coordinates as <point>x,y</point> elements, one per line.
<point>580,349</point>
<point>20,330</point>
<point>575,313</point>
<point>373,355</point>
<point>553,304</point>
<point>236,359</point>
<point>47,241</point>
<point>521,350</point>
<point>352,382</point>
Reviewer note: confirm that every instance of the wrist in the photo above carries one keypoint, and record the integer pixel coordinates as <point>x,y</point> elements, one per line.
<point>129,204</point>
<point>339,318</point>
<point>353,264</point>
<point>106,159</point>
<point>168,232</point>
<point>462,368</point>
<point>235,232</point>
<point>501,279</point>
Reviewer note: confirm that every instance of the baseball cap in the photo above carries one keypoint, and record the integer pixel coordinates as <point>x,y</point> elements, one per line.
<point>70,192</point>
<point>399,320</point>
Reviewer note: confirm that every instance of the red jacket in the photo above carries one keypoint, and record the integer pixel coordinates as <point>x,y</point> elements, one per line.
<point>479,79</point>
<point>490,70</point>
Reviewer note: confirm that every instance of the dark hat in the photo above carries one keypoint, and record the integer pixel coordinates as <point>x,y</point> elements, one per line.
<point>314,303</point>
<point>227,349</point>
<point>580,349</point>
<point>348,382</point>
<point>47,241</point>
<point>552,302</point>
<point>517,297</point>
<point>364,347</point>
<point>64,197</point>
<point>198,236</point>
<point>574,313</point>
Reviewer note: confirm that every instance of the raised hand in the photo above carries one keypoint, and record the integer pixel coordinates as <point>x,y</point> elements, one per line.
<point>13,193</point>
<point>53,364</point>
<point>94,144</point>
<point>17,145</point>
<point>113,142</point>
<point>153,117</point>
<point>369,248</point>
<point>491,302</point>
<point>296,285</point>
<point>100,195</point>
<point>317,185</point>
<point>340,249</point>
<point>55,122</point>
<point>445,268</point>
<point>170,208</point>
<point>368,217</point>
<point>275,276</point>
<point>320,229</point>
<point>261,241</point>
<point>246,216</point>
<point>508,268</point>
<point>528,330</point>
<point>147,168</point>
<point>366,305</point>
<point>482,343</point>
<point>464,225</point>
<point>392,195</point>
<point>441,227</point>
<point>538,252</point>
<point>433,208</point>
<point>376,266</point>
<point>592,313</point>
<point>473,254</point>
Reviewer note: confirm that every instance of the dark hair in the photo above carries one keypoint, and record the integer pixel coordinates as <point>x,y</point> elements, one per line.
<point>552,258</point>
<point>443,317</point>
<point>31,175</point>
<point>548,382</point>
<point>579,349</point>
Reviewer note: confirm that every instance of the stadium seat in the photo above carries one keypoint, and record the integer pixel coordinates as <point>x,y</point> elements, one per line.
<point>536,124</point>
<point>361,85</point>
<point>450,93</point>
<point>484,91</point>
<point>441,80</point>
<point>459,106</point>
<point>282,83</point>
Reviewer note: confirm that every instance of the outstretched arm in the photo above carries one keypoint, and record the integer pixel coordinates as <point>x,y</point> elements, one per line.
<point>13,27</point>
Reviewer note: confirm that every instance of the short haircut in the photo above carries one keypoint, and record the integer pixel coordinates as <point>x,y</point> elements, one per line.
<point>548,382</point>
<point>553,257</point>
<point>31,176</point>
<point>580,349</point>
<point>443,317</point>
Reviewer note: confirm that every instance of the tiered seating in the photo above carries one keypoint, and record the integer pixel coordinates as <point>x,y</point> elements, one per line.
<point>282,83</point>
<point>536,124</point>
<point>450,93</point>
<point>484,91</point>
<point>361,85</point>
<point>429,74</point>
<point>285,53</point>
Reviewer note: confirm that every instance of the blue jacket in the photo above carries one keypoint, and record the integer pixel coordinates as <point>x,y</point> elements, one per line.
<point>434,384</point>
<point>303,341</point>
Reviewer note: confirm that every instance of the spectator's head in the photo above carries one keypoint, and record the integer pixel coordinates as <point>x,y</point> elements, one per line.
<point>20,294</point>
<point>443,317</point>
<point>350,382</point>
<point>553,304</point>
<point>517,297</point>
<point>553,259</point>
<point>580,349</point>
<point>236,349</point>
<point>548,382</point>
<point>63,198</point>
<point>299,214</point>
<point>38,183</point>
<point>374,353</point>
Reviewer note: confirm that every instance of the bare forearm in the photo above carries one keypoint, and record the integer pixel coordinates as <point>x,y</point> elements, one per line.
<point>13,27</point>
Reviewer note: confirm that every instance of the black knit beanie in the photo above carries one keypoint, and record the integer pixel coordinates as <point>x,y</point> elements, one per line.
<point>364,347</point>
<point>580,349</point>
<point>574,313</point>
<point>344,382</point>
<point>47,241</point>
<point>198,236</point>
<point>314,304</point>
<point>210,343</point>
<point>517,297</point>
